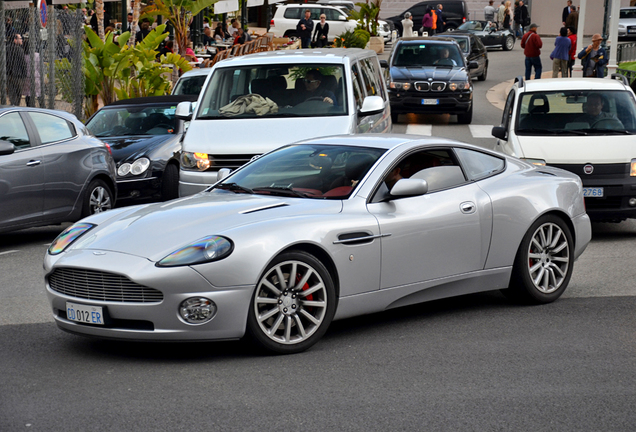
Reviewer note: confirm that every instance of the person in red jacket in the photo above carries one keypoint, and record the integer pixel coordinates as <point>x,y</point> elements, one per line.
<point>532,44</point>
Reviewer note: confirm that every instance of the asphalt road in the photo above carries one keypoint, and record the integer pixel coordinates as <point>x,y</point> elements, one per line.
<point>472,363</point>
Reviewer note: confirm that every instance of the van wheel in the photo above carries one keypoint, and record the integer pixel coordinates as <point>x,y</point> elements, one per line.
<point>466,117</point>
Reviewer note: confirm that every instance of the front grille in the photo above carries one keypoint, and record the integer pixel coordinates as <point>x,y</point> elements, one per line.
<point>97,285</point>
<point>231,161</point>
<point>438,86</point>
<point>422,86</point>
<point>612,202</point>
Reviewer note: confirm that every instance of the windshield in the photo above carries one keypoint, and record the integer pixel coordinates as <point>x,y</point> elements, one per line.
<point>428,54</point>
<point>628,13</point>
<point>576,112</point>
<point>462,41</point>
<point>275,91</point>
<point>191,85</point>
<point>134,120</point>
<point>471,25</point>
<point>305,171</point>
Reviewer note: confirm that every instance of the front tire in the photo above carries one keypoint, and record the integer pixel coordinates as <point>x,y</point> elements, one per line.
<point>467,117</point>
<point>293,304</point>
<point>98,198</point>
<point>170,182</point>
<point>484,74</point>
<point>509,43</point>
<point>544,262</point>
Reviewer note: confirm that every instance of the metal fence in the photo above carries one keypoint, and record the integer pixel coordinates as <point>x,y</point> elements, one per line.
<point>53,53</point>
<point>625,52</point>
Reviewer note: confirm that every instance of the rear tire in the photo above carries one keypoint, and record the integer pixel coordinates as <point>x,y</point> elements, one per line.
<point>170,182</point>
<point>544,262</point>
<point>466,117</point>
<point>509,43</point>
<point>98,198</point>
<point>483,76</point>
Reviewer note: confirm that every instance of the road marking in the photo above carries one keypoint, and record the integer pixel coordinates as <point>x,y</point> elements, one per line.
<point>481,131</point>
<point>418,129</point>
<point>8,252</point>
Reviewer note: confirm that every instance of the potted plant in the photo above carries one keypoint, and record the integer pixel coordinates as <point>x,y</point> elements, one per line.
<point>367,19</point>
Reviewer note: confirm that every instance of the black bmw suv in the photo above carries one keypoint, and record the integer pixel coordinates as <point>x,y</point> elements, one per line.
<point>430,76</point>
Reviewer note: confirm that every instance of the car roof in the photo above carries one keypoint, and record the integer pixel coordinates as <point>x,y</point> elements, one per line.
<point>383,141</point>
<point>552,84</point>
<point>196,72</point>
<point>308,55</point>
<point>60,113</point>
<point>155,100</point>
<point>436,39</point>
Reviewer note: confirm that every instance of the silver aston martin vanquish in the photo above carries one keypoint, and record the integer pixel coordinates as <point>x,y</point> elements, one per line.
<point>316,231</point>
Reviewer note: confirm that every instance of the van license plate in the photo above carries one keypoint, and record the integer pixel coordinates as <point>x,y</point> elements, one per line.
<point>84,314</point>
<point>430,101</point>
<point>593,192</point>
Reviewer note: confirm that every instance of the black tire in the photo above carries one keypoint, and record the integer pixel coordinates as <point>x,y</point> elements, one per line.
<point>98,198</point>
<point>543,267</point>
<point>484,74</point>
<point>170,182</point>
<point>394,118</point>
<point>450,28</point>
<point>466,117</point>
<point>286,319</point>
<point>509,43</point>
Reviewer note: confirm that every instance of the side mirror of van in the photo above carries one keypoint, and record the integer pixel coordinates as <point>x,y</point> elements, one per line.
<point>184,111</point>
<point>372,105</point>
<point>384,63</point>
<point>499,132</point>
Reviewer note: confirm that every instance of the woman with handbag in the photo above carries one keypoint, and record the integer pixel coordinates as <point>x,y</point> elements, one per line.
<point>321,33</point>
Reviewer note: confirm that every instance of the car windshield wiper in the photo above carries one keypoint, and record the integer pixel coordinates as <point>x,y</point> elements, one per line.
<point>554,131</point>
<point>234,187</point>
<point>607,131</point>
<point>282,190</point>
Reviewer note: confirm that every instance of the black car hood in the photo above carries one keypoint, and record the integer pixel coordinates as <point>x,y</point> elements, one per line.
<point>129,148</point>
<point>424,73</point>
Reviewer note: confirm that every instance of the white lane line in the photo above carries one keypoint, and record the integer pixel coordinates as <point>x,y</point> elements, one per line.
<point>8,252</point>
<point>417,129</point>
<point>481,131</point>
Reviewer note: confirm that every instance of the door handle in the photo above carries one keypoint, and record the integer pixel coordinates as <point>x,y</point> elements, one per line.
<point>467,207</point>
<point>33,163</point>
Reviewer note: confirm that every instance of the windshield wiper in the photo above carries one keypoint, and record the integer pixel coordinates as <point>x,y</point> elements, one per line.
<point>283,190</point>
<point>234,187</point>
<point>554,131</point>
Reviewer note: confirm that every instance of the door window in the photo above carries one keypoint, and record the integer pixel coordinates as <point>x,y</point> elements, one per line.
<point>51,128</point>
<point>12,129</point>
<point>370,85</point>
<point>331,14</point>
<point>507,112</point>
<point>480,165</point>
<point>356,80</point>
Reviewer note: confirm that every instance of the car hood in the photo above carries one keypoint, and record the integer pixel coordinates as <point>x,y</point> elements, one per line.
<point>154,231</point>
<point>424,73</point>
<point>129,148</point>
<point>259,135</point>
<point>578,149</point>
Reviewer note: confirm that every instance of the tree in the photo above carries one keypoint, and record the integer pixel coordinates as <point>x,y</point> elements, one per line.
<point>179,14</point>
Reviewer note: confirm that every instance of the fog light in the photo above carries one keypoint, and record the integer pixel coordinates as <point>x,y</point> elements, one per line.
<point>197,310</point>
<point>632,202</point>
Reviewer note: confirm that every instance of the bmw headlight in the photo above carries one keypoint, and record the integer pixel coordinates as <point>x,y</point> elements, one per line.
<point>196,161</point>
<point>399,85</point>
<point>459,86</point>
<point>137,167</point>
<point>207,249</point>
<point>68,236</point>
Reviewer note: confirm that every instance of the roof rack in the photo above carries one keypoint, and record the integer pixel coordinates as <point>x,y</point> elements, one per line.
<point>620,77</point>
<point>519,79</point>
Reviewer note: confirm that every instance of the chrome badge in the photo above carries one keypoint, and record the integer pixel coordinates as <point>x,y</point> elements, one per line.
<point>588,169</point>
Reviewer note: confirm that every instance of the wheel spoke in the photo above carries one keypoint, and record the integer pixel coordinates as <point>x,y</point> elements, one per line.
<point>288,326</point>
<point>539,277</point>
<point>537,244</point>
<point>281,278</point>
<point>556,267</point>
<point>271,287</point>
<point>270,313</point>
<point>310,317</point>
<point>277,324</point>
<point>266,300</point>
<point>534,255</point>
<point>552,277</point>
<point>557,236</point>
<point>560,247</point>
<point>311,290</point>
<point>301,327</point>
<point>313,303</point>
<point>544,241</point>
<point>304,279</point>
<point>535,267</point>
<point>545,283</point>
<point>561,259</point>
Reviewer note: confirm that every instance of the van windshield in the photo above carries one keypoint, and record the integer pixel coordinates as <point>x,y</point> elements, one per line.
<point>275,91</point>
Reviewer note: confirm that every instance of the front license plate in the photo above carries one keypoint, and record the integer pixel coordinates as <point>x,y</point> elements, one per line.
<point>430,101</point>
<point>593,192</point>
<point>631,31</point>
<point>84,314</point>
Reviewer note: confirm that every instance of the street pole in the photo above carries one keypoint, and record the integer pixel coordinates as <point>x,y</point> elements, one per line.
<point>124,16</point>
<point>577,70</point>
<point>613,37</point>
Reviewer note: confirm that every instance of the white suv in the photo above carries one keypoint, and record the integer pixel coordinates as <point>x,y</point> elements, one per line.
<point>286,18</point>
<point>582,125</point>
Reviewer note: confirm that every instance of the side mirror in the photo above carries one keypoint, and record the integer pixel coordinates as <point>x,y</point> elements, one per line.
<point>342,18</point>
<point>222,173</point>
<point>500,132</point>
<point>409,188</point>
<point>6,148</point>
<point>184,111</point>
<point>384,63</point>
<point>473,65</point>
<point>372,105</point>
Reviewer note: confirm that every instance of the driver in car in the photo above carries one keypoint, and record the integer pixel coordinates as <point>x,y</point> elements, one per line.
<point>312,81</point>
<point>593,111</point>
<point>445,58</point>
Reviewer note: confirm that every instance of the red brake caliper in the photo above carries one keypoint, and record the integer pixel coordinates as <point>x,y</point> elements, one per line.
<point>310,297</point>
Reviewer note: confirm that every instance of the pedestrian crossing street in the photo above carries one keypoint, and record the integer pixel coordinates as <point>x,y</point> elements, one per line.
<point>477,131</point>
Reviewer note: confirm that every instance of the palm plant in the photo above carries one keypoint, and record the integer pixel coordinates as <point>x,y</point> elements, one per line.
<point>368,15</point>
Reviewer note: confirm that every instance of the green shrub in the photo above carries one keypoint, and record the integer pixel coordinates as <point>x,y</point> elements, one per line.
<point>355,39</point>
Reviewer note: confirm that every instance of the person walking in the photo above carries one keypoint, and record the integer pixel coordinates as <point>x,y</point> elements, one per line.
<point>427,22</point>
<point>321,34</point>
<point>532,44</point>
<point>501,12</point>
<point>16,69</point>
<point>594,58</point>
<point>507,21</point>
<point>566,12</point>
<point>572,37</point>
<point>524,17</point>
<point>26,91</point>
<point>573,19</point>
<point>441,22</point>
<point>489,11</point>
<point>407,25</point>
<point>561,54</point>
<point>304,28</point>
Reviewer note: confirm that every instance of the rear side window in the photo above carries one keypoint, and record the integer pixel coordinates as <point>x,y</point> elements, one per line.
<point>368,77</point>
<point>479,165</point>
<point>293,13</point>
<point>331,14</point>
<point>12,129</point>
<point>51,128</point>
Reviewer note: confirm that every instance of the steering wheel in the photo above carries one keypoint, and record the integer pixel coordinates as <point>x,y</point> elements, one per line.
<point>315,98</point>
<point>163,125</point>
<point>608,123</point>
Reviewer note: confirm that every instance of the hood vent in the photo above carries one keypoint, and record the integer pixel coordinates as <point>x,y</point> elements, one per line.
<point>267,207</point>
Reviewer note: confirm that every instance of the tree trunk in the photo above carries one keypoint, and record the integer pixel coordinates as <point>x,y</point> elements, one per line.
<point>135,21</point>
<point>100,18</point>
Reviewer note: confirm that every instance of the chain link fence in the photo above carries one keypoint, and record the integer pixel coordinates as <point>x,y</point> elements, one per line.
<point>42,66</point>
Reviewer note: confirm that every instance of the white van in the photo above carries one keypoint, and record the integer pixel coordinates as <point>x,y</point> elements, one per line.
<point>253,104</point>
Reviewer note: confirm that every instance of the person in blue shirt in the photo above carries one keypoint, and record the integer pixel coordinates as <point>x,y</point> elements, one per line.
<point>561,54</point>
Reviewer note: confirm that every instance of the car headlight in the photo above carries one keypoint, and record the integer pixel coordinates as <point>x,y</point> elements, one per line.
<point>539,162</point>
<point>399,85</point>
<point>137,167</point>
<point>196,161</point>
<point>632,170</point>
<point>207,249</point>
<point>459,86</point>
<point>68,236</point>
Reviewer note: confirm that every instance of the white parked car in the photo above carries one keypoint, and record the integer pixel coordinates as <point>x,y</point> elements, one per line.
<point>583,125</point>
<point>627,23</point>
<point>286,18</point>
<point>191,82</point>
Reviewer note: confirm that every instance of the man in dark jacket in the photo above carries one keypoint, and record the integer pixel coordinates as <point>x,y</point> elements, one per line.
<point>531,43</point>
<point>441,21</point>
<point>522,18</point>
<point>304,28</point>
<point>594,58</point>
<point>16,69</point>
<point>566,12</point>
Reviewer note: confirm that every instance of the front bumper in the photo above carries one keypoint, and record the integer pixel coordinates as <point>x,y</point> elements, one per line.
<point>413,102</point>
<point>193,182</point>
<point>150,321</point>
<point>139,189</point>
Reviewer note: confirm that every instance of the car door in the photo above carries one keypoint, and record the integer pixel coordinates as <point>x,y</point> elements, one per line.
<point>370,83</point>
<point>67,163</point>
<point>442,233</point>
<point>21,174</point>
<point>478,54</point>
